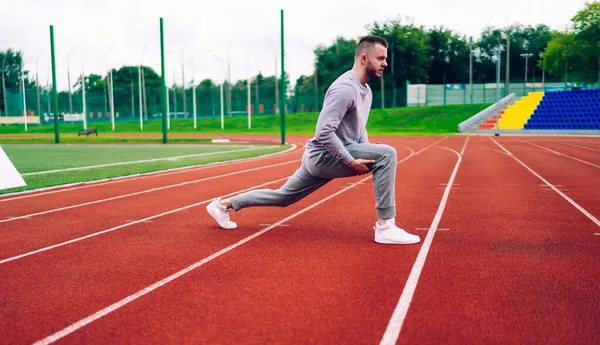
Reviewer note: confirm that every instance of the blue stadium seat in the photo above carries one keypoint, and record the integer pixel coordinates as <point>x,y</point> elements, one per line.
<point>567,109</point>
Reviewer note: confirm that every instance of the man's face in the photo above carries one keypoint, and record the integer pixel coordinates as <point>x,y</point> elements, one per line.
<point>376,61</point>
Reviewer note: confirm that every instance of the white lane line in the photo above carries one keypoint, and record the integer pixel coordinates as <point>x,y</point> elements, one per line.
<point>561,154</point>
<point>144,220</point>
<point>147,219</point>
<point>486,148</point>
<point>394,326</point>
<point>134,177</point>
<point>571,201</point>
<point>85,321</point>
<point>462,152</point>
<point>582,147</point>
<point>144,161</point>
<point>143,192</point>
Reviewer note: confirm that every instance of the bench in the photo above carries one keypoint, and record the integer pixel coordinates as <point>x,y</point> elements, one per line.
<point>88,131</point>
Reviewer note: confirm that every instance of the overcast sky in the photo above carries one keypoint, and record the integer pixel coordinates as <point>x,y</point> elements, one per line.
<point>92,33</point>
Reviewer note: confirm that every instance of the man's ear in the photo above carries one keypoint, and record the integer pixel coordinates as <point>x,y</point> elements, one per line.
<point>363,58</point>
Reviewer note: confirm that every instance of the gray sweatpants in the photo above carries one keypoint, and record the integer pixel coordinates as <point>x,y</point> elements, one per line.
<point>320,167</point>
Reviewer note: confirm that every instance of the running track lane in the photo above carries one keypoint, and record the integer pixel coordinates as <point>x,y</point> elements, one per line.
<point>518,264</point>
<point>579,181</point>
<point>575,152</point>
<point>25,235</point>
<point>331,273</point>
<point>17,205</point>
<point>70,282</point>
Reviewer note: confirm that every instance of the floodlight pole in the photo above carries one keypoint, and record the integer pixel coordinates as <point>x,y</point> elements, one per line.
<point>282,85</point>
<point>24,99</point>
<point>83,99</point>
<point>163,83</point>
<point>471,69</point>
<point>498,87</point>
<point>54,92</point>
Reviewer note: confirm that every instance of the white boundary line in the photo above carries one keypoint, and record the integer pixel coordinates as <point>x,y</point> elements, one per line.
<point>583,147</point>
<point>145,219</point>
<point>144,161</point>
<point>561,154</point>
<point>85,321</point>
<point>99,314</point>
<point>13,258</point>
<point>571,201</point>
<point>144,191</point>
<point>133,177</point>
<point>394,326</point>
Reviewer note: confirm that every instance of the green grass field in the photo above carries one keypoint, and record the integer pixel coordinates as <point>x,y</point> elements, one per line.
<point>35,158</point>
<point>31,159</point>
<point>396,121</point>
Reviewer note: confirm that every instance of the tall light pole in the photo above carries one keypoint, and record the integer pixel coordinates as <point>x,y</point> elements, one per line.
<point>4,86</point>
<point>506,36</point>
<point>498,85</point>
<point>316,84</point>
<point>194,91</point>
<point>543,57</point>
<point>132,96</point>
<point>471,69</point>
<point>143,83</point>
<point>229,76</point>
<point>249,104</point>
<point>110,89</point>
<point>84,110</point>
<point>140,90</point>
<point>221,93</point>
<point>394,105</point>
<point>526,56</point>
<point>37,86</point>
<point>276,85</point>
<point>183,78</point>
<point>382,93</point>
<point>249,92</point>
<point>69,81</point>
<point>48,91</point>
<point>24,99</point>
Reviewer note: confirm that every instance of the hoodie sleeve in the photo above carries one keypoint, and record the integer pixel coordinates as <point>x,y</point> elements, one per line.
<point>337,103</point>
<point>364,137</point>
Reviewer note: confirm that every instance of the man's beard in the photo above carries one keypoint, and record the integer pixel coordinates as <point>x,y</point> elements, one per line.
<point>371,71</point>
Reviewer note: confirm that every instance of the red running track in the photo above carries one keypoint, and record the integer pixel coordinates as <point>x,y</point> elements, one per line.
<point>518,263</point>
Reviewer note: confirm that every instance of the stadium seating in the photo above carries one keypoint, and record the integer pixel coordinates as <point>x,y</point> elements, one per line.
<point>575,109</point>
<point>516,115</point>
<point>571,109</point>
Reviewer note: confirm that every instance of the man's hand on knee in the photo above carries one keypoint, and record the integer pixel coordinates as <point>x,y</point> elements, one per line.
<point>359,166</point>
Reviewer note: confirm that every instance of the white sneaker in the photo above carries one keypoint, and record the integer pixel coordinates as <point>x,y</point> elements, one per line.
<point>220,213</point>
<point>389,233</point>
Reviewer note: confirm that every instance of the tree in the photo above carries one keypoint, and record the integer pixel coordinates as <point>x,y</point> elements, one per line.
<point>577,50</point>
<point>523,40</point>
<point>560,54</point>
<point>449,57</point>
<point>334,60</point>
<point>306,97</point>
<point>586,28</point>
<point>11,72</point>
<point>408,47</point>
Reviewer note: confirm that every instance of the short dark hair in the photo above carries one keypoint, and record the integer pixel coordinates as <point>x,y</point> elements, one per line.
<point>367,42</point>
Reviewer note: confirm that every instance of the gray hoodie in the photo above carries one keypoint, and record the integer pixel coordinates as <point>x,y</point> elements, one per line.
<point>343,119</point>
